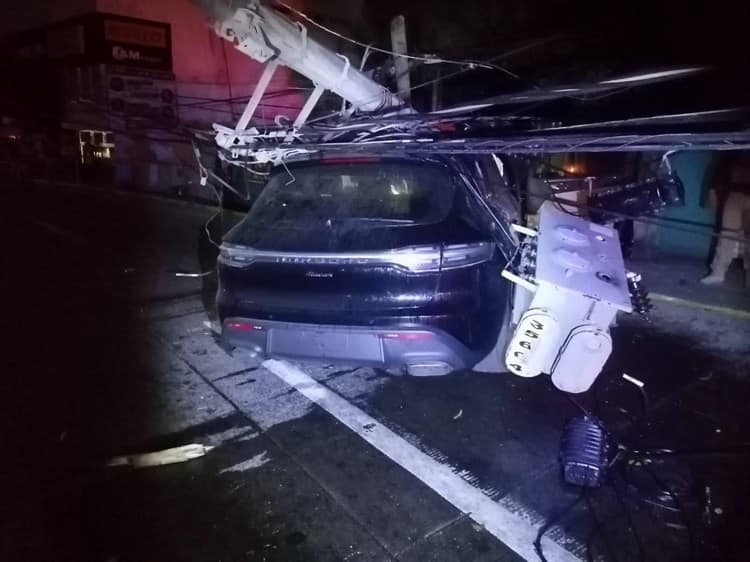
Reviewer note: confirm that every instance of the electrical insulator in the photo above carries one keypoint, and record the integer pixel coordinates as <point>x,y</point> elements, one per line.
<point>638,294</point>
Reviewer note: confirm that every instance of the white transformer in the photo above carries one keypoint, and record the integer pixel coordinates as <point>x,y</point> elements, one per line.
<point>576,282</point>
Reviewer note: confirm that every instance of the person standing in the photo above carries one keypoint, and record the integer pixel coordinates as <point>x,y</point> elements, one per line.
<point>731,184</point>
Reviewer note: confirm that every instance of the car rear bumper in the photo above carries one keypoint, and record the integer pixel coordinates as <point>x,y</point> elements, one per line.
<point>421,350</point>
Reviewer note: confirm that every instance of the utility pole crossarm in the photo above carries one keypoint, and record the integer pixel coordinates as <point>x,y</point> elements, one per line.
<point>266,35</point>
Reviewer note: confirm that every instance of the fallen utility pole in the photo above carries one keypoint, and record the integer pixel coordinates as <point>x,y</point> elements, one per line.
<point>569,275</point>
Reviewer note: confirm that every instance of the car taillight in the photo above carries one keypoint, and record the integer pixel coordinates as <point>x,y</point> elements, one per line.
<point>451,257</point>
<point>462,255</point>
<point>416,259</point>
<point>235,257</point>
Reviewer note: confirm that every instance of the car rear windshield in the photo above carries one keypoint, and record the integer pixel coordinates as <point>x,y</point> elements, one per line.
<point>382,192</point>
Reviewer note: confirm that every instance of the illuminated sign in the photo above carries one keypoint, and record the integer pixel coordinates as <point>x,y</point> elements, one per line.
<point>135,34</point>
<point>95,38</point>
<point>134,94</point>
<point>121,54</point>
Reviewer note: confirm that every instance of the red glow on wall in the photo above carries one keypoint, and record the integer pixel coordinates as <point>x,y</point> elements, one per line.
<point>208,67</point>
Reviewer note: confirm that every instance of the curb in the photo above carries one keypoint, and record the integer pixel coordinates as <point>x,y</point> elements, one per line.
<point>744,314</point>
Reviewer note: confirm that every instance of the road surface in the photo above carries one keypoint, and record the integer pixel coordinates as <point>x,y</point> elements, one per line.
<point>108,352</point>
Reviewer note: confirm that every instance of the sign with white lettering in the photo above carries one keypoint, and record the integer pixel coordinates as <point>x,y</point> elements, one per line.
<point>141,96</point>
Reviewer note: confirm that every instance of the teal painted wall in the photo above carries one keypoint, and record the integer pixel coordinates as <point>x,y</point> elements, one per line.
<point>691,167</point>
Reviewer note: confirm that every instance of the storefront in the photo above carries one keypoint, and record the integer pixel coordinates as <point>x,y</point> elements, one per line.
<point>99,87</point>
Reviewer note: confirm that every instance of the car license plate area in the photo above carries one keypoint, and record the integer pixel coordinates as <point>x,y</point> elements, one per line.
<point>325,344</point>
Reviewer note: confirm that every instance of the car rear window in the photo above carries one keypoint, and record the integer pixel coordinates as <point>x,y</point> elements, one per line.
<point>384,192</point>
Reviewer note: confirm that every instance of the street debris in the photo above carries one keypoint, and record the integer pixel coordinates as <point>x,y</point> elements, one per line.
<point>191,274</point>
<point>633,380</point>
<point>459,414</point>
<point>174,455</point>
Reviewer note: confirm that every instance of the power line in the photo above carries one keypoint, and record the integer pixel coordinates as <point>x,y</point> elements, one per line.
<point>444,77</point>
<point>656,221</point>
<point>184,137</point>
<point>241,99</point>
<point>206,106</point>
<point>558,517</point>
<point>430,60</point>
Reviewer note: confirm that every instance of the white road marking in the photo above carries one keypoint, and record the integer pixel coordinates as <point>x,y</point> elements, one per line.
<point>254,462</point>
<point>510,528</point>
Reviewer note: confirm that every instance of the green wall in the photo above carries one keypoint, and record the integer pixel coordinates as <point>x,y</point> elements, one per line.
<point>691,168</point>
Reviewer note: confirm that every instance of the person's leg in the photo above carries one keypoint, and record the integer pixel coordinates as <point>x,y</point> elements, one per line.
<point>727,248</point>
<point>746,234</point>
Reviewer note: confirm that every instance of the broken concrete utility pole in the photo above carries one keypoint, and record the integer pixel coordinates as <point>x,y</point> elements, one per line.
<point>400,64</point>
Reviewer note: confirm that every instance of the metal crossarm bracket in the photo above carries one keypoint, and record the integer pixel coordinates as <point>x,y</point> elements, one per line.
<point>254,101</point>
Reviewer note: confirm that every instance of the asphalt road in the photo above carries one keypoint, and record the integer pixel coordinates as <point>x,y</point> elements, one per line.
<point>108,352</point>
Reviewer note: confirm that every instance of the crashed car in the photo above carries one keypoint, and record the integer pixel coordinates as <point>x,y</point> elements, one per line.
<point>378,260</point>
<point>405,255</point>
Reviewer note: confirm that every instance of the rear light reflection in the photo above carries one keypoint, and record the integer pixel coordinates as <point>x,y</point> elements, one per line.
<point>243,326</point>
<point>406,336</point>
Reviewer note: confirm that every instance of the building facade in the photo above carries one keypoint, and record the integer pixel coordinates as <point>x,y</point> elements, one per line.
<point>105,91</point>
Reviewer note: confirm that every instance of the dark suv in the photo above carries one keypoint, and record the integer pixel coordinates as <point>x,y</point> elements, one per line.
<point>384,261</point>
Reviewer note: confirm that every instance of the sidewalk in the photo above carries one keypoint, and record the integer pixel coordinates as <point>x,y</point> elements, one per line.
<point>679,277</point>
<point>715,319</point>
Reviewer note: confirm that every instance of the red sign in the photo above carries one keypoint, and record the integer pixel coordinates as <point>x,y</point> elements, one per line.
<point>135,33</point>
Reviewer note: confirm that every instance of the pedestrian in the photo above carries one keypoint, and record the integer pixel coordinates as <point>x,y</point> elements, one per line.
<point>731,187</point>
